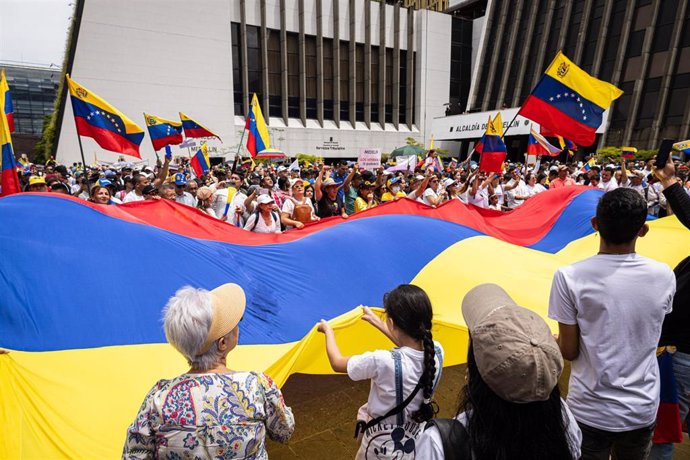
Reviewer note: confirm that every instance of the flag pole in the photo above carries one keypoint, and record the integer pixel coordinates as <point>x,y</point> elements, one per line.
<point>239,147</point>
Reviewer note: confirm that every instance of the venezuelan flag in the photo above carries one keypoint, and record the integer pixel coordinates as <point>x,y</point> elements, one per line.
<point>7,105</point>
<point>87,349</point>
<point>683,146</point>
<point>9,181</point>
<point>97,119</point>
<point>163,132</point>
<point>569,101</point>
<point>194,129</point>
<point>587,166</point>
<point>491,146</point>
<point>628,152</point>
<point>257,138</point>
<point>201,162</point>
<point>538,145</point>
<point>78,351</point>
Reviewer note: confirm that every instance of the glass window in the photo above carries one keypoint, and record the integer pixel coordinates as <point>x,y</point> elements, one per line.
<point>374,83</point>
<point>344,81</point>
<point>293,74</point>
<point>274,73</point>
<point>310,74</point>
<point>328,72</point>
<point>359,91</point>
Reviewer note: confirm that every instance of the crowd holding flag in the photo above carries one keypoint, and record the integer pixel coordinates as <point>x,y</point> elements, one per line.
<point>257,136</point>
<point>200,162</point>
<point>163,132</point>
<point>7,106</point>
<point>538,145</point>
<point>628,152</point>
<point>569,101</point>
<point>194,129</point>
<point>97,119</point>
<point>491,146</point>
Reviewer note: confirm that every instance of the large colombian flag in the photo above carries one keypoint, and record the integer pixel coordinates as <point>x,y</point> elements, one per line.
<point>163,132</point>
<point>569,101</point>
<point>7,106</point>
<point>492,147</point>
<point>97,119</point>
<point>194,129</point>
<point>257,138</point>
<point>84,355</point>
<point>9,180</point>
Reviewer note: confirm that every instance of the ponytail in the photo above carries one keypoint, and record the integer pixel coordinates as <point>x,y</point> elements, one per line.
<point>428,408</point>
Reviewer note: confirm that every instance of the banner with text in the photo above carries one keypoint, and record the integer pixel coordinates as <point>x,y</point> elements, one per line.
<point>369,159</point>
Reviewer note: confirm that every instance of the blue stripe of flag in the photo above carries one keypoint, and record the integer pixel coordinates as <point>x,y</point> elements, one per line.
<point>103,119</point>
<point>569,102</point>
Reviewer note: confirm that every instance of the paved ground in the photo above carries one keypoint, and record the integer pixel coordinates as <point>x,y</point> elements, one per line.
<point>325,407</point>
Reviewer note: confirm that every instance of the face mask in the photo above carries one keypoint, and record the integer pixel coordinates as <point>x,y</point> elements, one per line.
<point>395,189</point>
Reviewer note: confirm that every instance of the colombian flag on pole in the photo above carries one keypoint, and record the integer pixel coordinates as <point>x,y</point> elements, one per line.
<point>569,101</point>
<point>7,105</point>
<point>257,138</point>
<point>194,129</point>
<point>491,146</point>
<point>163,132</point>
<point>97,119</point>
<point>201,163</point>
<point>10,180</point>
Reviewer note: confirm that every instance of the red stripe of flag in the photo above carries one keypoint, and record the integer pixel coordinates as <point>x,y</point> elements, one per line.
<point>555,120</point>
<point>106,138</point>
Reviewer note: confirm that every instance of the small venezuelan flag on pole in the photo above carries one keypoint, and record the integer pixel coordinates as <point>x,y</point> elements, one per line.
<point>201,163</point>
<point>257,136</point>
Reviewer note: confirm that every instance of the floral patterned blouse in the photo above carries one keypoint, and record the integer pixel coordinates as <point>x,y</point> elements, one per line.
<point>218,416</point>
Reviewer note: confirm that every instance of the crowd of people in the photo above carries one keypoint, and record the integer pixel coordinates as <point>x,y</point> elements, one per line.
<point>613,309</point>
<point>272,198</point>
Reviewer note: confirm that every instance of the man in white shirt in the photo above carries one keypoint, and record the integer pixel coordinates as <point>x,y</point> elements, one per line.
<point>608,182</point>
<point>183,196</point>
<point>610,308</point>
<point>137,194</point>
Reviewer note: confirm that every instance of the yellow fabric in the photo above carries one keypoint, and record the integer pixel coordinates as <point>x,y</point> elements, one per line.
<point>260,122</point>
<point>388,196</point>
<point>78,403</point>
<point>361,205</point>
<point>81,93</point>
<point>5,137</point>
<point>152,120</point>
<point>495,127</point>
<point>594,90</point>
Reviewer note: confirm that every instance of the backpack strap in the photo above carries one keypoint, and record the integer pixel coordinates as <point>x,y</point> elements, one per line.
<point>454,438</point>
<point>397,362</point>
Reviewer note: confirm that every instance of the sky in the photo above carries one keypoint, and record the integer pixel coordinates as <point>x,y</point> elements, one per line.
<point>34,31</point>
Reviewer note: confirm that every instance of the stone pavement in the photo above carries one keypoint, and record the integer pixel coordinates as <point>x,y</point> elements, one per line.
<point>325,407</point>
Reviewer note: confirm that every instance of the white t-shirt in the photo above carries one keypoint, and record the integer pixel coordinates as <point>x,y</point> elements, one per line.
<point>379,367</point>
<point>132,196</point>
<point>608,186</point>
<point>429,445</point>
<point>481,198</point>
<point>520,190</point>
<point>289,208</point>
<point>186,198</point>
<point>261,226</point>
<point>427,194</point>
<point>619,302</point>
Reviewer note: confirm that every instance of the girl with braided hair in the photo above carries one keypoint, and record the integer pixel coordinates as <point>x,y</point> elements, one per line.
<point>403,380</point>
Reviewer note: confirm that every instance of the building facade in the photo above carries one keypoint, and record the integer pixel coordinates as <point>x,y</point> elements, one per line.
<point>332,76</point>
<point>641,46</point>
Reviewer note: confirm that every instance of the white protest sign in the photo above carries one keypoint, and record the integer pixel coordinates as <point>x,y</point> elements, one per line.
<point>405,163</point>
<point>369,159</point>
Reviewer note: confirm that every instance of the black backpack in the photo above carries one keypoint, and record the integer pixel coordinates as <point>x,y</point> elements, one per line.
<point>454,437</point>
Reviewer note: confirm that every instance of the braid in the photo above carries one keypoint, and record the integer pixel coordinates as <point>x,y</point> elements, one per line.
<point>427,410</point>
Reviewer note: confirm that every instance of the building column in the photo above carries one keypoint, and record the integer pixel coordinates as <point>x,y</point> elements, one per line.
<point>491,12</point>
<point>302,67</point>
<point>539,65</point>
<point>396,66</point>
<point>367,63</point>
<point>523,59</point>
<point>639,83</point>
<point>336,63</point>
<point>670,71</point>
<point>603,32</point>
<point>283,64</point>
<point>382,65</point>
<point>618,67</point>
<point>264,65</point>
<point>243,51</point>
<point>582,34</point>
<point>409,105</point>
<point>353,65</point>
<point>494,56</point>
<point>515,25</point>
<point>319,62</point>
<point>567,11</point>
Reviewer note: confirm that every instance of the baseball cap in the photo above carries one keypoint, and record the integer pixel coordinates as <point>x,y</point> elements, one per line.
<point>448,182</point>
<point>36,180</point>
<point>149,189</point>
<point>104,182</point>
<point>264,199</point>
<point>282,168</point>
<point>204,193</point>
<point>516,354</point>
<point>294,182</point>
<point>228,302</point>
<point>180,179</point>
<point>328,182</point>
<point>110,173</point>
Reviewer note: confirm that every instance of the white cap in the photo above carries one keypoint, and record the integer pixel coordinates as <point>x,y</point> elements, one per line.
<point>264,199</point>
